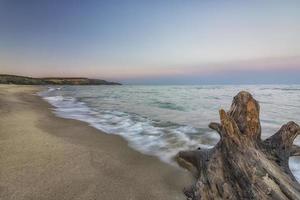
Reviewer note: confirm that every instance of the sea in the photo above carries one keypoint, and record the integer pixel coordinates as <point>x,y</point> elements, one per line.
<point>163,120</point>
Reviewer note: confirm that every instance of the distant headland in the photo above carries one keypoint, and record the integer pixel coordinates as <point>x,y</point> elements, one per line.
<point>23,80</point>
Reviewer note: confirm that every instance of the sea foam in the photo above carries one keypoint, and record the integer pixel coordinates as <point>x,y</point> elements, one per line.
<point>163,120</point>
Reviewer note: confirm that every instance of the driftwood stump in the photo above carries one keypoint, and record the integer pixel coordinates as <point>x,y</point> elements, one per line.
<point>241,165</point>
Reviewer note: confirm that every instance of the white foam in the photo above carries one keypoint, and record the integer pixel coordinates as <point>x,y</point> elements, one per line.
<point>158,137</point>
<point>139,131</point>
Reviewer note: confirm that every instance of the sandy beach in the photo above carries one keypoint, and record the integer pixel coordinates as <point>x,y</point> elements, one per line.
<point>46,157</point>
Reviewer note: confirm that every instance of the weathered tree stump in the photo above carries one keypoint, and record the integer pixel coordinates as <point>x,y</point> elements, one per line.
<point>241,165</point>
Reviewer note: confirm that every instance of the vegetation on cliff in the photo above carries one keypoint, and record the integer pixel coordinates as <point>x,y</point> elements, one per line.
<point>22,80</point>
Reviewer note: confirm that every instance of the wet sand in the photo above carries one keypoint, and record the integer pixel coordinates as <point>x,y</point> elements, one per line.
<point>46,157</point>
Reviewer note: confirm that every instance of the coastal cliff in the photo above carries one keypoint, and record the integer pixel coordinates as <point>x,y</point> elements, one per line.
<point>23,80</point>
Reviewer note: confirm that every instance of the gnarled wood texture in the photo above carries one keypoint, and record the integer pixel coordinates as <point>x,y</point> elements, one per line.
<point>241,165</point>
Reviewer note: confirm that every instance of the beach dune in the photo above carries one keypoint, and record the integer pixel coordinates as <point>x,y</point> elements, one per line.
<point>46,157</point>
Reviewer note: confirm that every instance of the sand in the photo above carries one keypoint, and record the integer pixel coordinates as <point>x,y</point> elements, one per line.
<point>46,157</point>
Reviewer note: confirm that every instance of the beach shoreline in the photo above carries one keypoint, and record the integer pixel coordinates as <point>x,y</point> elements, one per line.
<point>47,157</point>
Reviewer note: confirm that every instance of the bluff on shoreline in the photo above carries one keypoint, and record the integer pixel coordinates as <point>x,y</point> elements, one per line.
<point>23,80</point>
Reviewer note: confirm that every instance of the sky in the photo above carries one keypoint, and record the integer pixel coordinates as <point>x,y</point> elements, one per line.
<point>153,42</point>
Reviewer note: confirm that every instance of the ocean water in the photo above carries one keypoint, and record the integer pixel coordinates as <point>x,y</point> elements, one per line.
<point>162,120</point>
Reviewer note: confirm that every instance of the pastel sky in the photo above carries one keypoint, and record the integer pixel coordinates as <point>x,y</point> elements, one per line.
<point>153,42</point>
